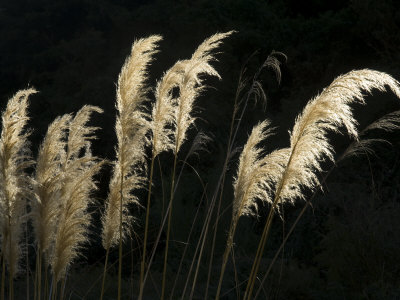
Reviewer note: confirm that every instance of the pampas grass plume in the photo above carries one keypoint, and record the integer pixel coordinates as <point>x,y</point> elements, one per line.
<point>330,111</point>
<point>14,182</point>
<point>256,174</point>
<point>48,178</point>
<point>78,170</point>
<point>131,128</point>
<point>192,84</point>
<point>164,109</point>
<point>309,144</point>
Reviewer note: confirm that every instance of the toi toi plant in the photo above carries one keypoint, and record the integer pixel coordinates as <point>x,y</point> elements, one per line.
<point>55,198</point>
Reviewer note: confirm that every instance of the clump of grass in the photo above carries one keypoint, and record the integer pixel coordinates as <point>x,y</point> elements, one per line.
<point>64,177</point>
<point>283,175</point>
<point>189,89</point>
<point>131,128</point>
<point>78,170</point>
<point>171,118</point>
<point>161,125</point>
<point>64,183</point>
<point>363,146</point>
<point>14,182</point>
<point>309,144</point>
<point>256,175</point>
<point>46,207</point>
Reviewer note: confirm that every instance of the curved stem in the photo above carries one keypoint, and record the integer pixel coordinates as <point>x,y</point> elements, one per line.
<point>225,257</point>
<point>168,227</point>
<point>27,260</point>
<point>235,108</point>
<point>308,203</point>
<point>260,250</point>
<point>229,242</point>
<point>3,275</point>
<point>38,275</point>
<point>46,281</point>
<point>11,268</point>
<point>120,238</point>
<point>146,228</point>
<point>186,245</point>
<point>104,273</point>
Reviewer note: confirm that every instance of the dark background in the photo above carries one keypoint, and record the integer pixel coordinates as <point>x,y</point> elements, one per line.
<point>347,246</point>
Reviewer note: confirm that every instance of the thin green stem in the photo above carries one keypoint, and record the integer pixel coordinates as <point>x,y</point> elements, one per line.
<point>104,273</point>
<point>11,268</point>
<point>27,260</point>
<point>236,274</point>
<point>229,242</point>
<point>246,99</point>
<point>222,186</point>
<point>63,284</point>
<point>35,281</point>
<point>3,276</point>
<point>198,246</point>
<point>308,203</point>
<point>186,245</point>
<point>46,281</point>
<point>120,237</point>
<point>226,254</point>
<point>54,290</point>
<point>38,275</point>
<point>132,268</point>
<point>162,188</point>
<point>159,235</point>
<point>146,227</point>
<point>260,250</point>
<point>208,220</point>
<point>11,296</point>
<point>261,245</point>
<point>168,226</point>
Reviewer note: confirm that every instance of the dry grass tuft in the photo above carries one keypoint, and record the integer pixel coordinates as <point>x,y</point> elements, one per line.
<point>163,112</point>
<point>48,177</point>
<point>131,129</point>
<point>64,182</point>
<point>256,174</point>
<point>388,123</point>
<point>14,182</point>
<point>77,171</point>
<point>329,111</point>
<point>192,84</point>
<point>309,144</point>
<point>288,171</point>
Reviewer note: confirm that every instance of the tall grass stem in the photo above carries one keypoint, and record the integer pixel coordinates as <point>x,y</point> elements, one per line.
<point>229,146</point>
<point>120,236</point>
<point>3,276</point>
<point>104,273</point>
<point>169,226</point>
<point>146,228</point>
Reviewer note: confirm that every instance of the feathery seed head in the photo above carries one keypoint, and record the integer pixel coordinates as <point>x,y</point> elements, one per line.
<point>14,182</point>
<point>131,87</point>
<point>131,128</point>
<point>48,177</point>
<point>191,85</point>
<point>388,123</point>
<point>163,112</point>
<point>289,170</point>
<point>74,195</point>
<point>256,174</point>
<point>79,134</point>
<point>329,111</point>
